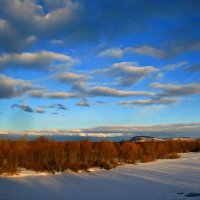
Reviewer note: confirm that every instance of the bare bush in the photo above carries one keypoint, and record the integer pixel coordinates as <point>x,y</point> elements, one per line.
<point>44,154</point>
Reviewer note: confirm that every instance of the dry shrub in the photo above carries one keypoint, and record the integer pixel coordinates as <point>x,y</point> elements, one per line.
<point>173,156</point>
<point>147,158</point>
<point>43,154</point>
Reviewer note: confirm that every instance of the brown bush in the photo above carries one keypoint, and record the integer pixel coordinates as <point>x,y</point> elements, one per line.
<point>43,154</point>
<point>173,156</point>
<point>147,158</point>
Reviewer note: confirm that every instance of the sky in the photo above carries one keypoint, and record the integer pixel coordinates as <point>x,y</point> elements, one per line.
<point>100,67</point>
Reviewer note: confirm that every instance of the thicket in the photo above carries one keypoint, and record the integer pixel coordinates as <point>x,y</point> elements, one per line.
<point>43,154</point>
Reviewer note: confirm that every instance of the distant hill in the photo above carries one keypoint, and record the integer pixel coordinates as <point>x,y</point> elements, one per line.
<point>149,138</point>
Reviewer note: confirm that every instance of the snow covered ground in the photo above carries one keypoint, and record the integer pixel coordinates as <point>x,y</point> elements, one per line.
<point>160,180</point>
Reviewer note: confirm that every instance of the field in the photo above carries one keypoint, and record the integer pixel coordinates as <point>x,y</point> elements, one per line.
<point>163,179</point>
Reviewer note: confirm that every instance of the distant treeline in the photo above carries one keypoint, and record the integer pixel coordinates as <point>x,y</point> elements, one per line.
<point>43,154</point>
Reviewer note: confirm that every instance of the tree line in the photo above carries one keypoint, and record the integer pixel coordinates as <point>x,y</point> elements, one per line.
<point>44,154</point>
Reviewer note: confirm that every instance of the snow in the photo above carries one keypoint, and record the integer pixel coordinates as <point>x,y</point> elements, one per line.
<point>149,138</point>
<point>24,172</point>
<point>162,179</point>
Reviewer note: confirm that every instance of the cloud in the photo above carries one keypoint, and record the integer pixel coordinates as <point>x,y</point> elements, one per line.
<point>88,92</point>
<point>39,110</point>
<point>176,48</point>
<point>27,108</point>
<point>83,102</point>
<point>146,102</point>
<point>10,87</point>
<point>51,95</point>
<point>12,40</point>
<point>160,75</point>
<point>73,21</point>
<point>26,18</point>
<point>128,73</point>
<point>111,92</point>
<point>146,50</point>
<point>143,129</point>
<point>100,102</point>
<point>40,60</point>
<point>174,66</point>
<point>80,88</point>
<point>161,130</point>
<point>168,50</point>
<point>176,90</point>
<point>77,81</point>
<point>24,107</point>
<point>112,53</point>
<point>59,95</point>
<point>58,106</point>
<point>193,68</point>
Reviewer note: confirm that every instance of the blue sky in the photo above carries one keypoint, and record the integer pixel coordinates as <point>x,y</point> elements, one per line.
<point>67,65</point>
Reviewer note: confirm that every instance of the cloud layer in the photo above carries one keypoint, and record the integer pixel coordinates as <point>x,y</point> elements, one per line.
<point>166,130</point>
<point>23,23</point>
<point>61,54</point>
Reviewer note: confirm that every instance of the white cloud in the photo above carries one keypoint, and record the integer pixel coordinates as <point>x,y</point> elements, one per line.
<point>144,102</point>
<point>127,73</point>
<point>105,91</point>
<point>112,52</point>
<point>83,102</point>
<point>52,95</point>
<point>176,90</point>
<point>10,87</point>
<point>146,50</point>
<point>39,110</point>
<point>165,51</point>
<point>174,66</point>
<point>40,60</point>
<point>70,78</point>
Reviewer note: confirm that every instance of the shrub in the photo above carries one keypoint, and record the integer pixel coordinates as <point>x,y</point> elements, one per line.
<point>173,156</point>
<point>44,154</point>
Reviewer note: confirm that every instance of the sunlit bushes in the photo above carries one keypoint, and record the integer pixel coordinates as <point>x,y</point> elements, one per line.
<point>43,154</point>
<point>173,156</point>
